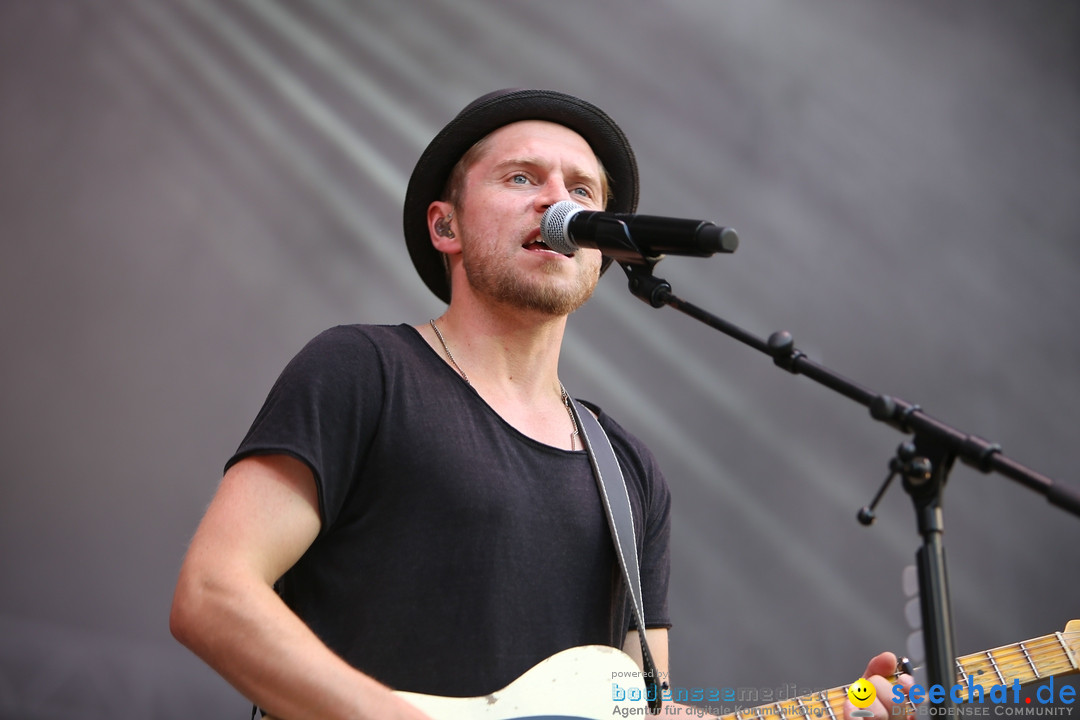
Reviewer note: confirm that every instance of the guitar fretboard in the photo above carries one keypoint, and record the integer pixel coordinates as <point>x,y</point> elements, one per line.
<point>1027,661</point>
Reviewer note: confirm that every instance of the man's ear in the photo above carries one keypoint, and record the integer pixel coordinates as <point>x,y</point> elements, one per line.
<point>442,227</point>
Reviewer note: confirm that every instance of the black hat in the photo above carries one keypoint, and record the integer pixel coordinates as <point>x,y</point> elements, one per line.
<point>485,115</point>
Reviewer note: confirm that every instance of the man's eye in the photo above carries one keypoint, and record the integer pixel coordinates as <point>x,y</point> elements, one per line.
<point>583,192</point>
<point>519,179</point>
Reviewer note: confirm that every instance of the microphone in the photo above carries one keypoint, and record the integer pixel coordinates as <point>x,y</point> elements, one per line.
<point>566,227</point>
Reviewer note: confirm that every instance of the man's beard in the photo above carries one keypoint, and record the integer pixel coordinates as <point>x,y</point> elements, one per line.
<point>495,276</point>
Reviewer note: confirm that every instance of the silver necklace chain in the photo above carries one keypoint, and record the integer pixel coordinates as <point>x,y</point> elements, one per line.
<point>450,357</point>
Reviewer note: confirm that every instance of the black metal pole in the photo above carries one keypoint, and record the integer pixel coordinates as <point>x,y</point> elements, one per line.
<point>926,484</point>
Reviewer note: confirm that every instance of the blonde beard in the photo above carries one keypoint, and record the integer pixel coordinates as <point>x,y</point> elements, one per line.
<point>507,285</point>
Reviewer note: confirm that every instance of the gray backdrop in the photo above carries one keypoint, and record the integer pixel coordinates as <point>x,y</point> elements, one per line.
<point>191,189</point>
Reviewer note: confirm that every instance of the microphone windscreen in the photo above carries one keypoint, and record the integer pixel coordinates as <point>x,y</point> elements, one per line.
<point>555,226</point>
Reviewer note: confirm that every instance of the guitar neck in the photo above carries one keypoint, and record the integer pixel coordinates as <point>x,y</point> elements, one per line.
<point>1028,661</point>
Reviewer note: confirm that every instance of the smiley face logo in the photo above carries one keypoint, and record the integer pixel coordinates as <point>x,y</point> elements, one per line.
<point>861,693</point>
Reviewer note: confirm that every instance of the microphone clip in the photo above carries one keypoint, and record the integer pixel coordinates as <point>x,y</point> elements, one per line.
<point>619,244</point>
<point>643,284</point>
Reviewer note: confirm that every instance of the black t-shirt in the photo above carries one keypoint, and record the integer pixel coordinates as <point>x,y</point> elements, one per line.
<point>455,552</point>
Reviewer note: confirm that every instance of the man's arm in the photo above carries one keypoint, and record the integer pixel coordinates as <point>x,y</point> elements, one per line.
<point>263,517</point>
<point>658,648</point>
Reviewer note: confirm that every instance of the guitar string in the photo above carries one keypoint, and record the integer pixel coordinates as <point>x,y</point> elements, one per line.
<point>1035,645</point>
<point>1016,656</point>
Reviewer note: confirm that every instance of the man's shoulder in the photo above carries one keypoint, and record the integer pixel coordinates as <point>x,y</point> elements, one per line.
<point>364,333</point>
<point>640,469</point>
<point>345,349</point>
<point>610,425</point>
<point>360,337</point>
<point>625,442</point>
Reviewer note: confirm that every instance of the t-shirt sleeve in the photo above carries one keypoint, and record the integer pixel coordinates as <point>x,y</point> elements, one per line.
<point>655,561</point>
<point>323,410</point>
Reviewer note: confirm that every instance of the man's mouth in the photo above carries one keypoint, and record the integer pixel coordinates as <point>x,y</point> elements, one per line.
<point>536,244</point>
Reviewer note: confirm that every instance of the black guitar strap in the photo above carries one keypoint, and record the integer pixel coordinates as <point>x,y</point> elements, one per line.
<point>616,500</point>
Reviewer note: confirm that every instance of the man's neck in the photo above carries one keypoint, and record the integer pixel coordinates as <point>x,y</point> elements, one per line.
<point>511,359</point>
<point>508,352</point>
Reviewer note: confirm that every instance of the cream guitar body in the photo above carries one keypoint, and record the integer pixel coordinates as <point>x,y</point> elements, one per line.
<point>575,683</point>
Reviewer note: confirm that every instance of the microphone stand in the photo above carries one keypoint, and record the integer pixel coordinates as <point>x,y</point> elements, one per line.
<point>924,464</point>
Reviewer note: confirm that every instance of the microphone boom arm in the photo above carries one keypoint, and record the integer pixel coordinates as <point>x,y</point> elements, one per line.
<point>904,416</point>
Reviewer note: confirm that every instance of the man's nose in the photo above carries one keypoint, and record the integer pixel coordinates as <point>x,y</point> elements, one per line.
<point>553,191</point>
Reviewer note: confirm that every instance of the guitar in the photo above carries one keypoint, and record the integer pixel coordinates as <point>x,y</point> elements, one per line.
<point>585,683</point>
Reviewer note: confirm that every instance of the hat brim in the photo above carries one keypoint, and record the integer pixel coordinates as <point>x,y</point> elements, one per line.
<point>476,121</point>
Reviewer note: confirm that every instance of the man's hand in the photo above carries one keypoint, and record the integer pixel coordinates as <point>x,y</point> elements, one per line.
<point>877,670</point>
